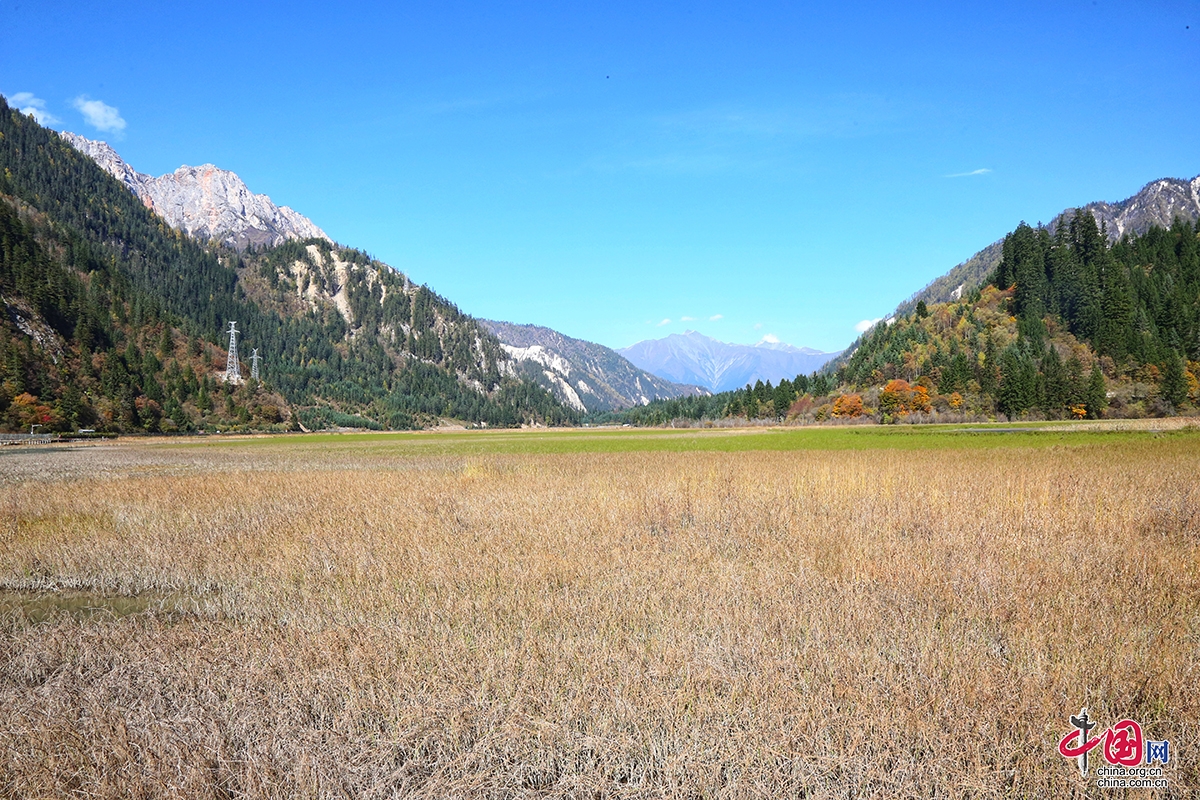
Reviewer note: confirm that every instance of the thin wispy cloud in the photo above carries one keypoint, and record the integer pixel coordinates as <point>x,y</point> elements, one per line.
<point>100,115</point>
<point>744,138</point>
<point>972,173</point>
<point>27,103</point>
<point>716,317</point>
<point>687,319</point>
<point>758,326</point>
<point>867,324</point>
<point>664,322</point>
<point>829,116</point>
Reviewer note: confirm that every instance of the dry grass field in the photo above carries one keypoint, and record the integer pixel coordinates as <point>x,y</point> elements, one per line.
<point>386,617</point>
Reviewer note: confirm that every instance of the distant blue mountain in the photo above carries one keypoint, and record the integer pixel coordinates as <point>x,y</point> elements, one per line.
<point>697,359</point>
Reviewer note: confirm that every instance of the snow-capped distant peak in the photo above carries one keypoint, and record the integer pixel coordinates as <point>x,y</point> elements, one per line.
<point>703,361</point>
<point>771,342</point>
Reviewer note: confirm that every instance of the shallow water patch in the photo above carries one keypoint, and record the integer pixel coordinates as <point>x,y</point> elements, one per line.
<point>38,607</point>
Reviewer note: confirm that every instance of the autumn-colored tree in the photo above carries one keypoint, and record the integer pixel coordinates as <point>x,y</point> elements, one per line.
<point>894,398</point>
<point>802,405</point>
<point>25,411</point>
<point>955,400</point>
<point>848,405</point>
<point>919,400</point>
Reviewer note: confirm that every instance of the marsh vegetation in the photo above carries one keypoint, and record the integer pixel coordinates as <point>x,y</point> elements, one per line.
<point>564,614</point>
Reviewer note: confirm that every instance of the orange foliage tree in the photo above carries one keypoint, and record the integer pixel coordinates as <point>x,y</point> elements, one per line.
<point>894,398</point>
<point>848,405</point>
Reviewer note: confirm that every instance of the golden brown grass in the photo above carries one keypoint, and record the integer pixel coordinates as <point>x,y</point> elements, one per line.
<point>783,624</point>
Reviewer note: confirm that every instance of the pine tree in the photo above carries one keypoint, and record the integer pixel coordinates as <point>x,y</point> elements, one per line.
<point>1027,267</point>
<point>1055,381</point>
<point>1018,389</point>
<point>1174,382</point>
<point>1117,304</point>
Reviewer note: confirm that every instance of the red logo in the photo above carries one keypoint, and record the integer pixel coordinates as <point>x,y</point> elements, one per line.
<point>1123,744</point>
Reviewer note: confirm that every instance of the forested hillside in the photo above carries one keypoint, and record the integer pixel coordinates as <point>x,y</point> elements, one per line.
<point>114,320</point>
<point>1068,325</point>
<point>1157,204</point>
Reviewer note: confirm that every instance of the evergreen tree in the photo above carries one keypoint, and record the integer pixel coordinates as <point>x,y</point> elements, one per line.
<point>1174,381</point>
<point>1097,394</point>
<point>1056,382</point>
<point>1018,389</point>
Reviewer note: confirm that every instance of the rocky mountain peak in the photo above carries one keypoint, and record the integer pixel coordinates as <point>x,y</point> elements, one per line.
<point>205,201</point>
<point>1158,203</point>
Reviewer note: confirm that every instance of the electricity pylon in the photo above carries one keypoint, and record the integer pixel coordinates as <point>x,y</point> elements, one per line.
<point>233,370</point>
<point>254,359</point>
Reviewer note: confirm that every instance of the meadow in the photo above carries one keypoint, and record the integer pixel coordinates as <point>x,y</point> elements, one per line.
<point>817,612</point>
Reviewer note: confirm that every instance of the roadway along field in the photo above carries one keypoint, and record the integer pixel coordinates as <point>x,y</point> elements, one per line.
<point>819,612</point>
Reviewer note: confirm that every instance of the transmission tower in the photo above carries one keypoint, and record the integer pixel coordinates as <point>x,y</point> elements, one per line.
<point>233,370</point>
<point>254,359</point>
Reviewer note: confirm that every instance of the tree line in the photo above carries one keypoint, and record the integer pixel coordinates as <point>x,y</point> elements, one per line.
<point>110,282</point>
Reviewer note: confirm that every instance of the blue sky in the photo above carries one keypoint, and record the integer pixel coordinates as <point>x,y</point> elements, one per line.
<point>785,169</point>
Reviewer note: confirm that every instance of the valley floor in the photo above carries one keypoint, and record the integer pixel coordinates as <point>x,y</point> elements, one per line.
<point>869,612</point>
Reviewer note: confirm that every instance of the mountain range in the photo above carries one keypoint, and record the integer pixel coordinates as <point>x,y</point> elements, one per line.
<point>583,375</point>
<point>116,317</point>
<point>212,204</point>
<point>693,358</point>
<point>205,202</point>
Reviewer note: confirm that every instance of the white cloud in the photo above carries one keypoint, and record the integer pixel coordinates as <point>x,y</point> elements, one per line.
<point>983,171</point>
<point>716,317</point>
<point>866,324</point>
<point>758,326</point>
<point>770,338</point>
<point>27,103</point>
<point>664,322</point>
<point>687,319</point>
<point>100,115</point>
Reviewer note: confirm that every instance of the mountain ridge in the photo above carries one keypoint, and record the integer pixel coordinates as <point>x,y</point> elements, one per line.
<point>584,375</point>
<point>205,202</point>
<point>694,358</point>
<point>111,319</point>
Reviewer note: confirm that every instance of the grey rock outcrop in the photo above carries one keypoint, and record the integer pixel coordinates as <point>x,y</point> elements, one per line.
<point>205,202</point>
<point>1158,203</point>
<point>583,375</point>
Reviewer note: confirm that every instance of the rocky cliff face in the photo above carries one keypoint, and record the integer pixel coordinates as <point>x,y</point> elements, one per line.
<point>368,304</point>
<point>583,375</point>
<point>205,202</point>
<point>1158,203</point>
